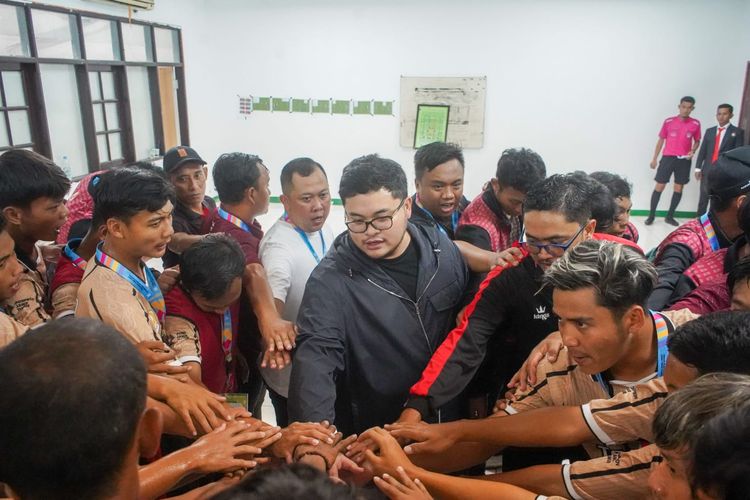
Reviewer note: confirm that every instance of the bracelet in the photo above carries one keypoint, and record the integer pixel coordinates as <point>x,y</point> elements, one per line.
<point>316,453</point>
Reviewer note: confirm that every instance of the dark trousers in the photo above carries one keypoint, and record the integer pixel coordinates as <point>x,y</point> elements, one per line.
<point>279,403</point>
<point>703,197</point>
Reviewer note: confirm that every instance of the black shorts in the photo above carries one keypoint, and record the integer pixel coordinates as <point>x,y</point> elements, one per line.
<point>670,164</point>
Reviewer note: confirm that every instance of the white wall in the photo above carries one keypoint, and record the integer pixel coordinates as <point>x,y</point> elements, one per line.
<point>585,83</point>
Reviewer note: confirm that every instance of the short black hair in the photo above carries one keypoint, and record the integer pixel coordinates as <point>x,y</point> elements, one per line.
<point>144,165</point>
<point>740,272</point>
<point>235,173</point>
<point>209,266</point>
<point>26,176</point>
<point>569,194</point>
<point>73,394</point>
<point>2,222</point>
<point>123,192</point>
<point>720,464</point>
<point>688,98</point>
<point>290,482</point>
<point>303,167</point>
<point>716,342</point>
<point>603,207</point>
<point>726,106</point>
<point>520,169</point>
<point>433,154</point>
<point>618,187</point>
<point>371,173</point>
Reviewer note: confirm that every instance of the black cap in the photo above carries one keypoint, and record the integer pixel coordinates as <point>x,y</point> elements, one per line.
<point>179,155</point>
<point>730,176</point>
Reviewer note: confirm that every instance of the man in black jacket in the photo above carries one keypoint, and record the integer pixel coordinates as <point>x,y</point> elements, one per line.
<point>718,139</point>
<point>377,306</point>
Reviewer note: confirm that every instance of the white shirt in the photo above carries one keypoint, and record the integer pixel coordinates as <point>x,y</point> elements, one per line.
<point>288,263</point>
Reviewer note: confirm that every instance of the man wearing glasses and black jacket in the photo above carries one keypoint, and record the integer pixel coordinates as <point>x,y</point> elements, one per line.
<point>376,308</point>
<point>511,312</point>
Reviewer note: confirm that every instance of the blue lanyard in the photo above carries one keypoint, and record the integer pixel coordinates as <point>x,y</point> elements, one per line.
<point>454,218</point>
<point>233,219</point>
<point>149,289</point>
<point>662,333</point>
<point>76,259</point>
<point>304,237</point>
<point>708,228</point>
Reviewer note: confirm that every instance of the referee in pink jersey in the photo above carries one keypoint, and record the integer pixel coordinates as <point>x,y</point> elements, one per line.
<point>679,136</point>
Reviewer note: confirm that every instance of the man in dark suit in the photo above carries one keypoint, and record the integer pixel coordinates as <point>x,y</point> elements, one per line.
<point>718,139</point>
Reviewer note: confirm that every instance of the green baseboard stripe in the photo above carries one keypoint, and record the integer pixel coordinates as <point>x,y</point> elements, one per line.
<point>663,213</point>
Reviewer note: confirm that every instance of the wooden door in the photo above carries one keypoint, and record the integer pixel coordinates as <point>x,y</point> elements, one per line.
<point>168,99</point>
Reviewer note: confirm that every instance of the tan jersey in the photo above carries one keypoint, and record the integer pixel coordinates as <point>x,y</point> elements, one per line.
<point>616,476</point>
<point>64,300</point>
<point>27,304</point>
<point>108,297</point>
<point>563,384</point>
<point>10,329</point>
<point>182,335</point>
<point>628,415</point>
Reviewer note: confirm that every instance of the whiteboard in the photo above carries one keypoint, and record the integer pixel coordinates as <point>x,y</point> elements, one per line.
<point>465,96</point>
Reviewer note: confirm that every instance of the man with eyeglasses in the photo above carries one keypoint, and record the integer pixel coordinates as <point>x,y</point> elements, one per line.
<point>376,307</point>
<point>512,312</point>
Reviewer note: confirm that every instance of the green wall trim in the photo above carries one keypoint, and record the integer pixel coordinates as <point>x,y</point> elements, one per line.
<point>663,213</point>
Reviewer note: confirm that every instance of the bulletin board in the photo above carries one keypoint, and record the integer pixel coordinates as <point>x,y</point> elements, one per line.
<point>465,96</point>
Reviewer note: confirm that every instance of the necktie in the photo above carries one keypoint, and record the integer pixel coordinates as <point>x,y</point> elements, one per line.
<point>717,145</point>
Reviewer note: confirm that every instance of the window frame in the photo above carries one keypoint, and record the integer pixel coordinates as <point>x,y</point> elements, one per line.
<point>38,122</point>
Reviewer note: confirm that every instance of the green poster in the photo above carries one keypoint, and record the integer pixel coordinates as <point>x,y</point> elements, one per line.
<point>432,124</point>
<point>261,104</point>
<point>321,105</point>
<point>383,108</point>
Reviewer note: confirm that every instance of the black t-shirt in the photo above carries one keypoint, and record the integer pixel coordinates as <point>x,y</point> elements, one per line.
<point>420,215</point>
<point>404,269</point>
<point>184,220</point>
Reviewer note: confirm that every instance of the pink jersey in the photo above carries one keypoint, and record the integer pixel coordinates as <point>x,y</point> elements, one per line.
<point>679,134</point>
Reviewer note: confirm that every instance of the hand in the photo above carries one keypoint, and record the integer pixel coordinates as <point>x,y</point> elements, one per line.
<point>525,377</point>
<point>229,447</point>
<point>157,356</point>
<point>425,438</point>
<point>327,454</point>
<point>275,359</point>
<point>168,279</point>
<point>195,403</point>
<point>344,470</point>
<point>390,456</point>
<point>690,155</point>
<point>403,488</point>
<point>502,404</point>
<point>509,257</point>
<point>279,334</point>
<point>300,433</point>
<point>698,175</point>
<point>653,164</point>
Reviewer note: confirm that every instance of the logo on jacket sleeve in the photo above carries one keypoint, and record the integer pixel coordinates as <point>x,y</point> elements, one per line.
<point>541,313</point>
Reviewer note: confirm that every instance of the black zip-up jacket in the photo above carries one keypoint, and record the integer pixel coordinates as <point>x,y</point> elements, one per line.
<point>362,341</point>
